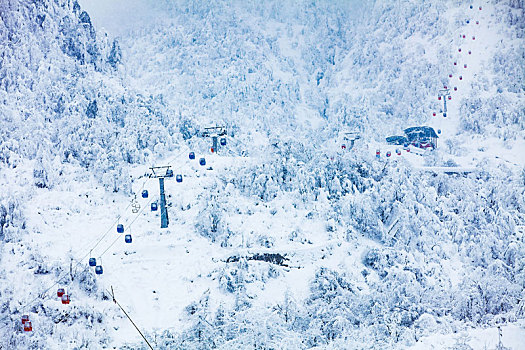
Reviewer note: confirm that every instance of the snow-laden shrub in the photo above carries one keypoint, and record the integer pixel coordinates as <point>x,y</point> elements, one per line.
<point>12,220</point>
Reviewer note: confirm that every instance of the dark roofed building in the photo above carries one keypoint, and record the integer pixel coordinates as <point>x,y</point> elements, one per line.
<point>396,140</point>
<point>422,136</point>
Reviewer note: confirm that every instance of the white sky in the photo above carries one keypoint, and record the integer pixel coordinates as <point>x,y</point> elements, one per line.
<point>116,17</point>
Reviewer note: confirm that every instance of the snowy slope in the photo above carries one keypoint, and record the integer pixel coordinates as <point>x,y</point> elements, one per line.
<point>381,254</point>
<point>426,62</point>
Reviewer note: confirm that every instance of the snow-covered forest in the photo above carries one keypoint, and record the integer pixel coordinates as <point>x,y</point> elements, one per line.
<point>285,238</point>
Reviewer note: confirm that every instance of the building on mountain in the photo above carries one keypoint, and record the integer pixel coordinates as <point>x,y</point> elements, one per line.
<point>422,136</point>
<point>419,136</point>
<point>396,140</point>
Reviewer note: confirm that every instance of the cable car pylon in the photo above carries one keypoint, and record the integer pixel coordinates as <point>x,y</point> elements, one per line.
<point>215,132</point>
<point>162,172</point>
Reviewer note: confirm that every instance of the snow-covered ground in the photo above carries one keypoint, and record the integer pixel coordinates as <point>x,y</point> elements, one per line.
<point>475,37</point>
<point>511,338</point>
<point>388,253</point>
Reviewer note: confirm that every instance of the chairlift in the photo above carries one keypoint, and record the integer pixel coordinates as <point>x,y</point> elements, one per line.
<point>450,97</point>
<point>154,206</point>
<point>120,228</point>
<point>455,88</point>
<point>145,194</point>
<point>135,206</point>
<point>388,154</point>
<point>202,161</point>
<point>439,98</point>
<point>27,326</point>
<point>92,262</point>
<point>60,292</point>
<point>378,153</point>
<point>192,155</point>
<point>98,270</point>
<point>25,318</point>
<point>460,77</point>
<point>439,131</point>
<point>127,238</point>
<point>178,178</point>
<point>65,299</point>
<point>169,173</point>
<point>223,141</point>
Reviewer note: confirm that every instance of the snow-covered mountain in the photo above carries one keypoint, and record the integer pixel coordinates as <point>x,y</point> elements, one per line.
<point>283,240</point>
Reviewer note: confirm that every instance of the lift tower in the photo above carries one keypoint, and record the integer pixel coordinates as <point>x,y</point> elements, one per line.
<point>215,132</point>
<point>162,172</point>
<point>351,136</point>
<point>444,93</point>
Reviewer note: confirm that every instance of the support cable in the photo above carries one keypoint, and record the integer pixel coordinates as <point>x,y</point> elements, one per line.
<point>129,318</point>
<point>97,242</point>
<point>80,261</point>
<point>116,221</point>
